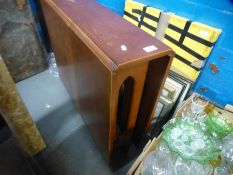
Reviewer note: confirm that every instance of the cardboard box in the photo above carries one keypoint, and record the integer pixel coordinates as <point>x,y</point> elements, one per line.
<point>151,145</point>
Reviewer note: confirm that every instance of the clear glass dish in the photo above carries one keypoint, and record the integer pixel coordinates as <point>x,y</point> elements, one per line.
<point>157,163</point>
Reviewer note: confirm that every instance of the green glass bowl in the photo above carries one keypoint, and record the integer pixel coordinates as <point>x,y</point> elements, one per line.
<point>186,138</point>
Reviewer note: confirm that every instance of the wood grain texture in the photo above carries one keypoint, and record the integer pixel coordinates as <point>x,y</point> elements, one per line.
<point>156,75</point>
<point>87,40</point>
<point>17,116</point>
<point>108,31</point>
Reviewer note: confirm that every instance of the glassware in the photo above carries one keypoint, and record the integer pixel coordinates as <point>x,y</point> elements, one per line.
<point>157,163</point>
<point>164,148</point>
<point>199,169</point>
<point>216,162</point>
<point>188,140</point>
<point>198,104</point>
<point>191,168</point>
<point>196,109</point>
<point>53,65</point>
<point>181,167</point>
<point>223,169</point>
<point>218,126</point>
<point>227,149</point>
<point>209,108</point>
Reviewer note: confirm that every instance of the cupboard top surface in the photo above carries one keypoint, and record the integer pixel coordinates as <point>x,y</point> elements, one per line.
<point>115,37</point>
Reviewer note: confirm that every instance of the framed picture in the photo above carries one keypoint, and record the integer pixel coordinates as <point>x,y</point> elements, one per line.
<point>175,91</point>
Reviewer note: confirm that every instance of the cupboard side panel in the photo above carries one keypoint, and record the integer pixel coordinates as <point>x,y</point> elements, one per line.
<point>85,77</point>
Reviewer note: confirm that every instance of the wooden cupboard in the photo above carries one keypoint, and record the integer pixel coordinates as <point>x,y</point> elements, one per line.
<point>112,70</point>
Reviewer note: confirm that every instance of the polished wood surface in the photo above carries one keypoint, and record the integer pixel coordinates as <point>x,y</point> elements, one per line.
<point>108,31</point>
<point>97,51</point>
<point>157,70</point>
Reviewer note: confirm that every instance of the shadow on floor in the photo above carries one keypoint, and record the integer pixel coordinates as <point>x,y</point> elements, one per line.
<point>71,149</point>
<point>12,160</point>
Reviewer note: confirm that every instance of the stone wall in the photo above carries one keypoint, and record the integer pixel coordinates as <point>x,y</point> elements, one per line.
<point>19,44</point>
